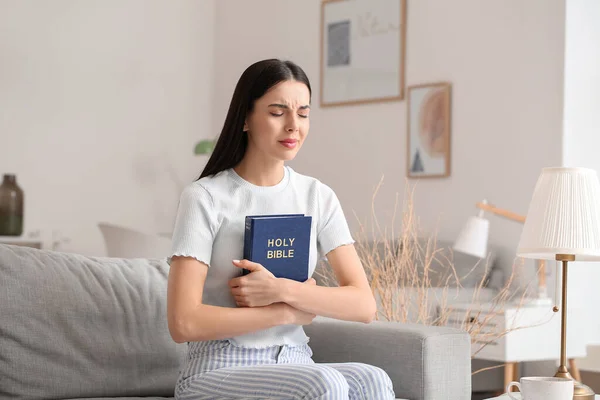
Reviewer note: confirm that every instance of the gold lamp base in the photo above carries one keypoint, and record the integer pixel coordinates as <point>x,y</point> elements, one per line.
<point>581,392</point>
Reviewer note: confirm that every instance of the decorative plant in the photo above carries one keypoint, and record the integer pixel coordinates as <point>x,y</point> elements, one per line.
<point>404,265</point>
<point>204,146</point>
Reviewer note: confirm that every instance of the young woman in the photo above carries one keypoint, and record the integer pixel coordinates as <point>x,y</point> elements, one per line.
<point>245,333</point>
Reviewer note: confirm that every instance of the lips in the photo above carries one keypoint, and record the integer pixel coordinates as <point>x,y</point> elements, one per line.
<point>289,143</point>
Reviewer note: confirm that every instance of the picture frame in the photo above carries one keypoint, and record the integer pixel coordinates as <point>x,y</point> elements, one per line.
<point>362,51</point>
<point>428,149</point>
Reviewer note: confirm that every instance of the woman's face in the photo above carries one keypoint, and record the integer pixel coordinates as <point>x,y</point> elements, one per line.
<point>279,122</point>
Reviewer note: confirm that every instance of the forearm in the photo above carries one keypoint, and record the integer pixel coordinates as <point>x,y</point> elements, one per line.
<point>207,322</point>
<point>346,302</point>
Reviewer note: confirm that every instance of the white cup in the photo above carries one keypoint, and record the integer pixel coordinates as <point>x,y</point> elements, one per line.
<point>543,388</point>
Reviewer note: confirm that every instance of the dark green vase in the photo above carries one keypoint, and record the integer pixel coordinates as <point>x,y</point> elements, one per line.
<point>11,207</point>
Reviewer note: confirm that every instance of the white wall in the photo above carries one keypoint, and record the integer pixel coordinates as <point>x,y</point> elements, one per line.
<point>101,103</point>
<point>505,60</point>
<point>121,93</point>
<point>581,144</point>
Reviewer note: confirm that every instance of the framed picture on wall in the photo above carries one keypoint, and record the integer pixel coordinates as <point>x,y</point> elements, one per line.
<point>428,130</point>
<point>362,51</point>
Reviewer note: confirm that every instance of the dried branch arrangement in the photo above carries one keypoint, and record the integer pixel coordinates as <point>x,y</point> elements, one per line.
<point>414,280</point>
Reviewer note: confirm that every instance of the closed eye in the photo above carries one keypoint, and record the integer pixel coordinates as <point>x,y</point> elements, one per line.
<point>279,115</point>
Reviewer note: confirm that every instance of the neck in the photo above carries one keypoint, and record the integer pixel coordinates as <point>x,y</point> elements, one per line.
<point>260,171</point>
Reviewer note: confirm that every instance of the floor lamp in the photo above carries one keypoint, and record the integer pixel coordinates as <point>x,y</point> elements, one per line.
<point>563,224</point>
<point>473,240</point>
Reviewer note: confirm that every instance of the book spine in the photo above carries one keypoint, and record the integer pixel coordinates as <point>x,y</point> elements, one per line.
<point>248,231</point>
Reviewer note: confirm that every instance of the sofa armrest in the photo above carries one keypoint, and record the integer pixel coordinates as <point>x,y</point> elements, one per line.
<point>424,362</point>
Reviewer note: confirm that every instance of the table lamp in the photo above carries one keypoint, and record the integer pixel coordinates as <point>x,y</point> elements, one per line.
<point>563,224</point>
<point>473,240</point>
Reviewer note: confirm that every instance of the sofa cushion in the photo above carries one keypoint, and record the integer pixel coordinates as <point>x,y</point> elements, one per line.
<point>73,326</point>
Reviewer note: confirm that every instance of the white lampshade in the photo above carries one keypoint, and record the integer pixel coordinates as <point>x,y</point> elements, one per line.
<point>473,238</point>
<point>563,216</point>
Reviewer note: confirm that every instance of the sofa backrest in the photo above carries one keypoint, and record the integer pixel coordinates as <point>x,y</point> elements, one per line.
<point>73,326</point>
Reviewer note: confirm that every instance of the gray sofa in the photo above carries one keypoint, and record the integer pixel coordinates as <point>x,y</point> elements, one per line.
<point>74,327</point>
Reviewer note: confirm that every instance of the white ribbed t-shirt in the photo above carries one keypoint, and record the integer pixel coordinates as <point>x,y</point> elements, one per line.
<point>210,226</point>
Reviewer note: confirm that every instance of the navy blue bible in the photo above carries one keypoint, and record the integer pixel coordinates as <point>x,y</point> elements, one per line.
<point>280,243</point>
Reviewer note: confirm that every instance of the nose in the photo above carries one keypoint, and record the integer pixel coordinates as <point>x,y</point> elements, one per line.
<point>292,124</point>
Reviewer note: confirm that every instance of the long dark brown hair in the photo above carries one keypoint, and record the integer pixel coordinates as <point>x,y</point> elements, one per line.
<point>256,80</point>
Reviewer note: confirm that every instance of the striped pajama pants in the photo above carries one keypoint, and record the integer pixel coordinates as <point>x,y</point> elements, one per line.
<point>218,370</point>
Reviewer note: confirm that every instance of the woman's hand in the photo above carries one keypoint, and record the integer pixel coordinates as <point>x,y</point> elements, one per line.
<point>257,289</point>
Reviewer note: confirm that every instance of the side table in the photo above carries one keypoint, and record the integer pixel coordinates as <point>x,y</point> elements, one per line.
<point>512,334</point>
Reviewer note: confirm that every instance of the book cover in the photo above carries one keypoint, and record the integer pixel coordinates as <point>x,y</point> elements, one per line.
<point>280,243</point>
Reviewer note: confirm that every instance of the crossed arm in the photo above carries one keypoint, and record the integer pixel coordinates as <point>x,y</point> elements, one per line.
<point>263,300</point>
<point>352,300</point>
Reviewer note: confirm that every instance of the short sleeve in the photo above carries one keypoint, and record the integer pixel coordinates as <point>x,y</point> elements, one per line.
<point>195,225</point>
<point>333,230</point>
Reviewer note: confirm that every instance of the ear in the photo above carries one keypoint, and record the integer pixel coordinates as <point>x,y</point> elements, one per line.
<point>245,129</point>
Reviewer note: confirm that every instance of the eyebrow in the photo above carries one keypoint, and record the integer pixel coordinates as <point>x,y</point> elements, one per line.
<point>306,107</point>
